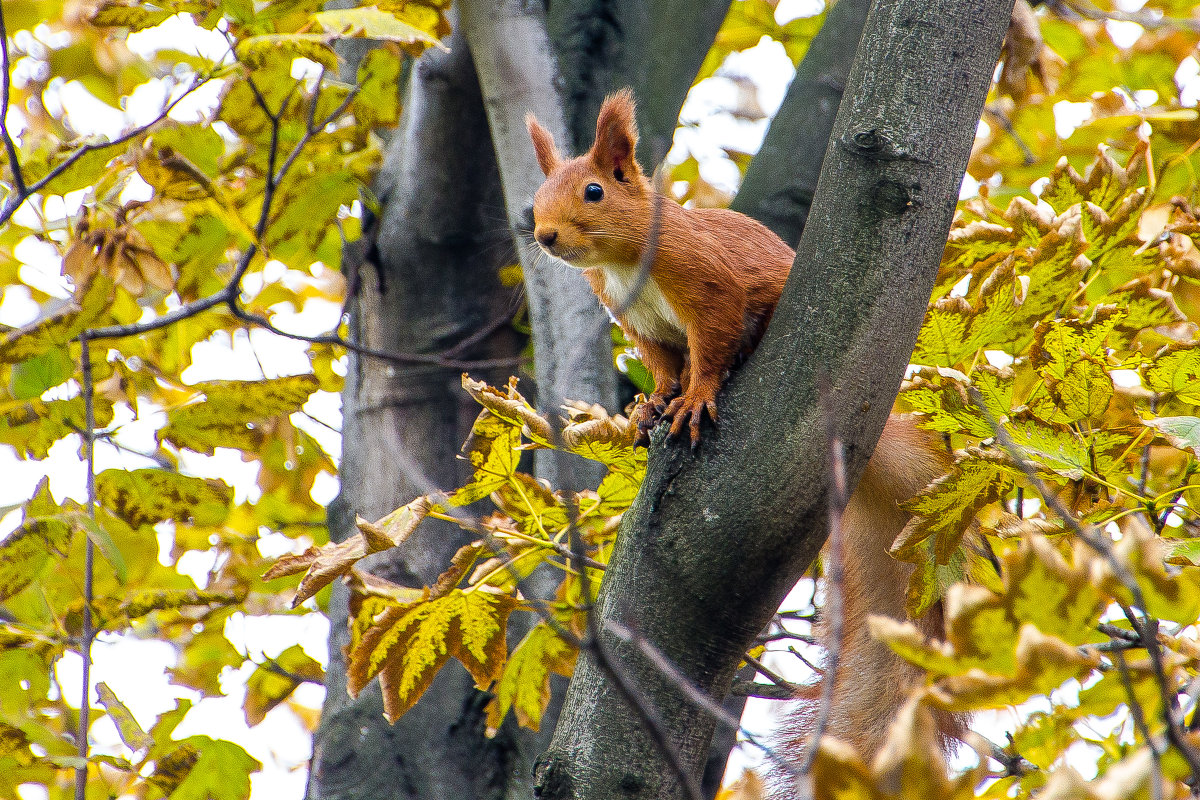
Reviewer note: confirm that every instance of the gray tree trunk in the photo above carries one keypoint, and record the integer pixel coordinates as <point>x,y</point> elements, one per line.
<point>572,350</point>
<point>656,49</point>
<point>427,282</point>
<point>714,541</point>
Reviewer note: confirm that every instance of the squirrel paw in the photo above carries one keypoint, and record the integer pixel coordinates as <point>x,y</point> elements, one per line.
<point>648,414</point>
<point>688,410</point>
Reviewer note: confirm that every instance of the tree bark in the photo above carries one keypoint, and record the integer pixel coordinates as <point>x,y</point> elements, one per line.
<point>782,177</point>
<point>428,282</point>
<point>714,541</point>
<point>572,349</point>
<point>656,49</point>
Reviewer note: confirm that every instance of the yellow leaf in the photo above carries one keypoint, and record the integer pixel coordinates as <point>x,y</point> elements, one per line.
<point>410,25</point>
<point>407,645</point>
<point>147,496</point>
<point>254,51</point>
<point>512,408</point>
<point>524,685</point>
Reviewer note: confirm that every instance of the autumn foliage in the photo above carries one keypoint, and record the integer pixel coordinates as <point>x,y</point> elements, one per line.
<point>1059,358</point>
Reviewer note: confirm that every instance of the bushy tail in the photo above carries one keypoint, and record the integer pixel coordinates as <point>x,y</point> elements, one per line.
<point>872,682</point>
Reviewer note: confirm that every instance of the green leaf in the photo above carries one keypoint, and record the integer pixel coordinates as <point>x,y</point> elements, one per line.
<point>148,496</point>
<point>1176,372</point>
<point>233,411</point>
<point>274,681</point>
<point>105,544</point>
<point>32,377</point>
<point>1181,432</point>
<point>255,51</point>
<point>411,25</point>
<point>136,18</point>
<point>633,368</point>
<point>948,507</point>
<point>57,327</point>
<point>493,451</point>
<point>25,552</point>
<point>378,100</point>
<point>222,772</point>
<point>130,731</point>
<point>524,685</point>
<point>939,395</point>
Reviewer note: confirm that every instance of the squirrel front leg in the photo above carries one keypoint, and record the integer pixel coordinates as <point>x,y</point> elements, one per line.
<point>665,366</point>
<point>713,341</point>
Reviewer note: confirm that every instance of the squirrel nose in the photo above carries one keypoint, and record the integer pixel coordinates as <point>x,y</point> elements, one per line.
<point>547,238</point>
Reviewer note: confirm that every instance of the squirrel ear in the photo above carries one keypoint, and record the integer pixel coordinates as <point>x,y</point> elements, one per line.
<point>543,145</point>
<point>616,136</point>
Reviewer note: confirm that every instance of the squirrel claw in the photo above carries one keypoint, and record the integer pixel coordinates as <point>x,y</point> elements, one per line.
<point>684,411</point>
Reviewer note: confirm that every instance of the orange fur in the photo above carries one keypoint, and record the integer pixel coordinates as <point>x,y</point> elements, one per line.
<point>709,294</point>
<point>714,281</point>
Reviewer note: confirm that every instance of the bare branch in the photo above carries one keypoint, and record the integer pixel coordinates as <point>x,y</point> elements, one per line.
<point>9,145</point>
<point>1075,9</point>
<point>771,675</point>
<point>88,633</point>
<point>1139,722</point>
<point>697,696</point>
<point>13,202</point>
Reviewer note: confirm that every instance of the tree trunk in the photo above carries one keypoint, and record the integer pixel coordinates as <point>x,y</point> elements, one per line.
<point>428,282</point>
<point>714,541</point>
<point>656,49</point>
<point>572,350</point>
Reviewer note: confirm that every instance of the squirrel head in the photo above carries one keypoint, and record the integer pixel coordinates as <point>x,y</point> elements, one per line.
<point>593,209</point>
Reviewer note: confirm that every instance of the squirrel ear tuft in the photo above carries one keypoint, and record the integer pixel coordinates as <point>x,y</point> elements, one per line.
<point>543,145</point>
<point>616,136</point>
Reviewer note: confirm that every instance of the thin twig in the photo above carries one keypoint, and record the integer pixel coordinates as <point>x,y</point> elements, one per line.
<point>1144,477</point>
<point>229,295</point>
<point>765,691</point>
<point>14,201</point>
<point>273,666</point>
<point>694,694</point>
<point>1139,722</point>
<point>803,660</point>
<point>1148,20</point>
<point>433,360</point>
<point>87,633</point>
<point>839,496</point>
<point>10,146</point>
<point>771,675</point>
<point>1027,156</point>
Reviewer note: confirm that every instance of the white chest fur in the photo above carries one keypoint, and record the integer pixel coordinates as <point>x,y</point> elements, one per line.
<point>647,311</point>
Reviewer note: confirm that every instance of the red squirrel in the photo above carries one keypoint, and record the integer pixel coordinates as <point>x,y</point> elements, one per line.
<point>711,288</point>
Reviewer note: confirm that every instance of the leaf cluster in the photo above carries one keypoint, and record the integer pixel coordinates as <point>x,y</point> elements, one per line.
<point>223,211</point>
<point>404,635</point>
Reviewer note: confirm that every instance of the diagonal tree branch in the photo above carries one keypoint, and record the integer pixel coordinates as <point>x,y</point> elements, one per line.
<point>715,541</point>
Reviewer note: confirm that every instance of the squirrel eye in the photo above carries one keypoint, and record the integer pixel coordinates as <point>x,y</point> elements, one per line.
<point>593,193</point>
